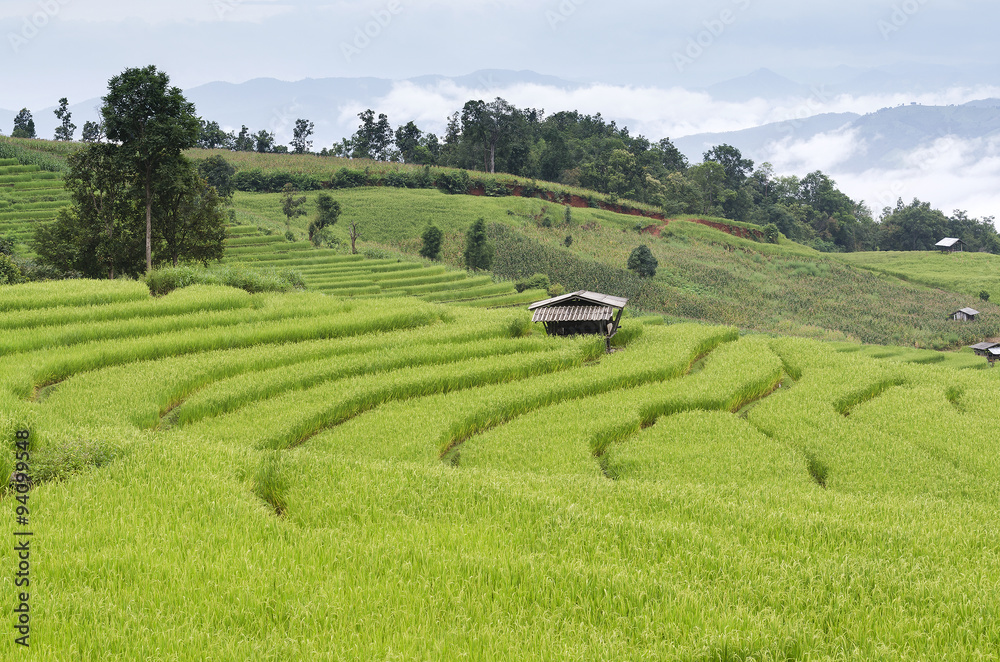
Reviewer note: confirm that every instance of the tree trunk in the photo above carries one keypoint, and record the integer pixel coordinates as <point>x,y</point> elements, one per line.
<point>149,224</point>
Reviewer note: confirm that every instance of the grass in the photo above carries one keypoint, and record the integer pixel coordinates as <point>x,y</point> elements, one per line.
<point>487,490</point>
<point>968,273</point>
<point>705,274</point>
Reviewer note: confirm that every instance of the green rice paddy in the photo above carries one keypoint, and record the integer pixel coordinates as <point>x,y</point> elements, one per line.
<point>298,476</point>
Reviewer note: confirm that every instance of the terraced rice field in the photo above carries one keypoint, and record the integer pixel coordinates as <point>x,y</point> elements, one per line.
<point>297,476</point>
<point>332,272</point>
<point>28,195</point>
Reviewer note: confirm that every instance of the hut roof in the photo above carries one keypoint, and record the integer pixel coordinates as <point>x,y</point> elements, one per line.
<point>573,314</point>
<point>582,297</point>
<point>948,242</point>
<point>983,346</point>
<point>967,311</point>
<point>995,351</point>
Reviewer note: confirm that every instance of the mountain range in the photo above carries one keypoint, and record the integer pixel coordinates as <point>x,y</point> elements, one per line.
<point>883,138</point>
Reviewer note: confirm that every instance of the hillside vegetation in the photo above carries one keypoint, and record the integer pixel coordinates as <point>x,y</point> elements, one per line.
<point>969,273</point>
<point>705,274</point>
<point>307,477</point>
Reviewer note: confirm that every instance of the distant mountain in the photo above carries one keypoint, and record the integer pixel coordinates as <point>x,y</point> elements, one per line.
<point>884,138</point>
<point>756,141</point>
<point>274,105</point>
<point>763,83</point>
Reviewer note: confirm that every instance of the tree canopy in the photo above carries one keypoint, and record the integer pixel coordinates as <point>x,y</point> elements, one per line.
<point>153,123</point>
<point>478,248</point>
<point>642,261</point>
<point>138,175</point>
<point>66,127</point>
<point>24,125</point>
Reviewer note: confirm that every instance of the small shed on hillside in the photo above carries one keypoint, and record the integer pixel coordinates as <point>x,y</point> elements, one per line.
<point>982,348</point>
<point>992,354</point>
<point>580,312</point>
<point>950,245</point>
<point>965,315</point>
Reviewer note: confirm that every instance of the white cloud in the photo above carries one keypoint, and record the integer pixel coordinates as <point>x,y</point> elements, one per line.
<point>952,173</point>
<point>824,151</point>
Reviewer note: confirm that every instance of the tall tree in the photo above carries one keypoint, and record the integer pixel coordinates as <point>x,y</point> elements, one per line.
<point>300,136</point>
<point>407,141</point>
<point>912,227</point>
<point>487,124</point>
<point>244,142</point>
<point>100,235</point>
<point>373,139</point>
<point>153,123</point>
<point>354,232</point>
<point>24,125</point>
<point>93,132</point>
<point>327,213</point>
<point>290,205</point>
<point>737,168</point>
<point>431,246</point>
<point>264,141</point>
<point>65,130</point>
<point>218,173</point>
<point>478,248</point>
<point>189,218</point>
<point>211,136</point>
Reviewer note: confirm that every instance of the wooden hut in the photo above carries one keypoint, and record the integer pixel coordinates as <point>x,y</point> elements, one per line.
<point>992,354</point>
<point>580,312</point>
<point>950,245</point>
<point>982,348</point>
<point>965,315</point>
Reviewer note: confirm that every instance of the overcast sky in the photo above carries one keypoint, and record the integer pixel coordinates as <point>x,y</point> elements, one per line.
<point>54,48</point>
<point>638,53</point>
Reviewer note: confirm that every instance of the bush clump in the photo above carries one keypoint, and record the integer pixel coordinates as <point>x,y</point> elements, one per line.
<point>535,282</point>
<point>165,280</point>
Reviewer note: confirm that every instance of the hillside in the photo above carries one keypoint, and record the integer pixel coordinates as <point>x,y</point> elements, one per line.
<point>705,274</point>
<point>305,477</point>
<point>969,273</point>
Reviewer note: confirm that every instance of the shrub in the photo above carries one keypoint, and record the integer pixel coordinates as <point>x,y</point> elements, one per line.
<point>771,233</point>
<point>348,178</point>
<point>520,326</point>
<point>478,248</point>
<point>431,247</point>
<point>10,274</point>
<point>453,182</point>
<point>165,280</point>
<point>535,282</point>
<point>642,262</point>
<point>984,295</point>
